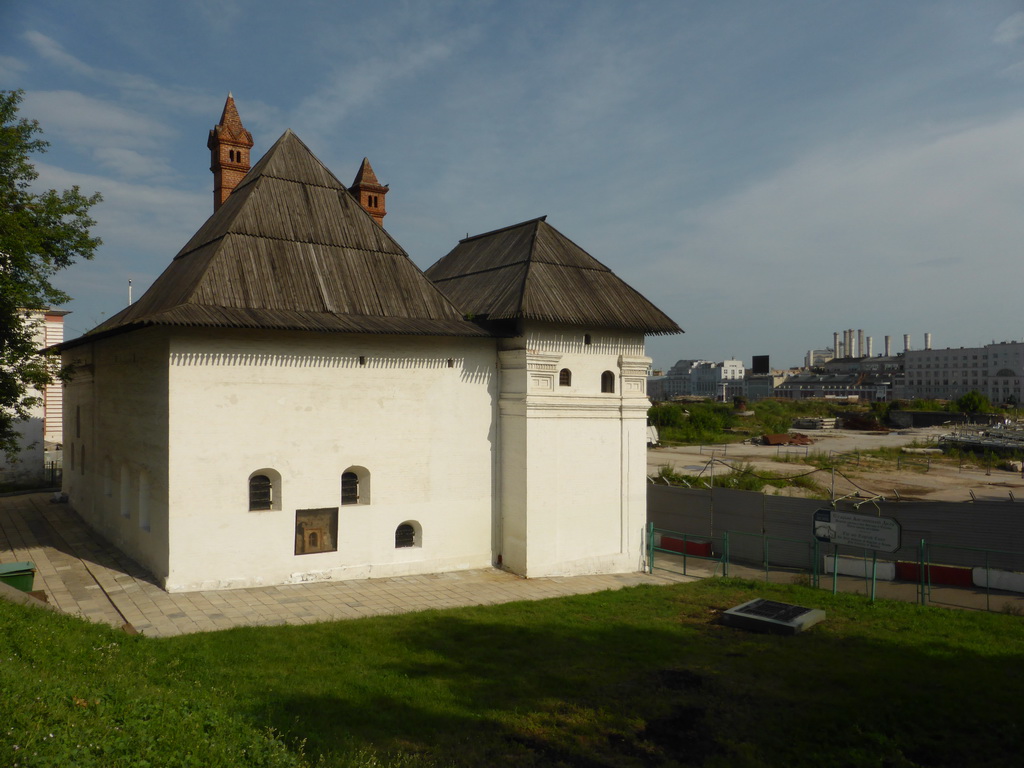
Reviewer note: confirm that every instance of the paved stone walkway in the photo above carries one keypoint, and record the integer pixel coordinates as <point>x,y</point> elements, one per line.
<point>84,575</point>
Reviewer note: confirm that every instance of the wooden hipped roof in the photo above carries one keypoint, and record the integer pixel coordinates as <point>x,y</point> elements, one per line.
<point>531,271</point>
<point>291,249</point>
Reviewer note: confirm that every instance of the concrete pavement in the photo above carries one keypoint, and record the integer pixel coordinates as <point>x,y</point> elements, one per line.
<point>84,575</point>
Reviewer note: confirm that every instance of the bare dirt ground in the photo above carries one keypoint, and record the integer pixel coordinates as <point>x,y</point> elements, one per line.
<point>945,480</point>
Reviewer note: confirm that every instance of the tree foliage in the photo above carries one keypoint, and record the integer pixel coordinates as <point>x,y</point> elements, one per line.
<point>973,402</point>
<point>41,233</point>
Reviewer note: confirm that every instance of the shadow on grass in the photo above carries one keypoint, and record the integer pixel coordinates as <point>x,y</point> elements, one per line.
<point>643,677</point>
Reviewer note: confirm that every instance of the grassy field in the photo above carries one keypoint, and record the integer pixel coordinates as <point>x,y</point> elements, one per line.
<point>639,677</point>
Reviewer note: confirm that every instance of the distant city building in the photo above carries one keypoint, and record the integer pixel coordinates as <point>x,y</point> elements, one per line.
<point>994,370</point>
<point>700,378</point>
<point>760,364</point>
<point>836,386</point>
<point>759,386</point>
<point>816,358</point>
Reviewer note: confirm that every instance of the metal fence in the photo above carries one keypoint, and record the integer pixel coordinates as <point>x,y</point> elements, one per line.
<point>951,554</point>
<point>53,473</point>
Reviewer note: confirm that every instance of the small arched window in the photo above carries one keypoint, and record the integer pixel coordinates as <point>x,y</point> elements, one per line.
<point>261,492</point>
<point>405,536</point>
<point>607,381</point>
<point>586,339</point>
<point>349,488</point>
<point>565,378</point>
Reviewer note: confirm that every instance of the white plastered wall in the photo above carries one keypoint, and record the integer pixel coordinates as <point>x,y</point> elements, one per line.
<point>115,442</point>
<point>309,407</point>
<point>573,468</point>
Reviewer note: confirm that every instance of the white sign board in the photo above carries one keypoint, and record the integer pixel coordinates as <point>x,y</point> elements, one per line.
<point>853,530</point>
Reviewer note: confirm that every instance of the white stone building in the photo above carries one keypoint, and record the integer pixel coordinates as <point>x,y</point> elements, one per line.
<point>293,400</point>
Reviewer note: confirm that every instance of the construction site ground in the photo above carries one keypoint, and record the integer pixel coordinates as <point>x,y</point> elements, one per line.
<point>944,480</point>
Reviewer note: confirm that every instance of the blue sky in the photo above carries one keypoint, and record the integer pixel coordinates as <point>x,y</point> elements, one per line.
<point>765,172</point>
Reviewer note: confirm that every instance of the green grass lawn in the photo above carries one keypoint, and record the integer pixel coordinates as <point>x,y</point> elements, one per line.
<point>640,677</point>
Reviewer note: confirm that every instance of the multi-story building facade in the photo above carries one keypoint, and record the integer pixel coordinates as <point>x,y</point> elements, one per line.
<point>993,370</point>
<point>702,378</point>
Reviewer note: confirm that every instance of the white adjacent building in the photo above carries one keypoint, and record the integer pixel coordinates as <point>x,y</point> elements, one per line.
<point>43,426</point>
<point>293,400</point>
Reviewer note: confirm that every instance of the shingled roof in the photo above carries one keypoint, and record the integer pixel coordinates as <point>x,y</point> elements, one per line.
<point>531,271</point>
<point>291,249</point>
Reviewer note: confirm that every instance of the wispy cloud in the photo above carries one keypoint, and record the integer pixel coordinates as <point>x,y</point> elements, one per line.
<point>94,122</point>
<point>128,84</point>
<point>1010,31</point>
<point>360,83</point>
<point>11,70</point>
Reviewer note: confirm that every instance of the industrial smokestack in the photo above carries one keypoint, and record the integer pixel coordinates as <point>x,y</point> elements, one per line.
<point>835,344</point>
<point>850,350</point>
<point>927,341</point>
<point>906,342</point>
<point>888,346</point>
<point>860,343</point>
<point>870,347</point>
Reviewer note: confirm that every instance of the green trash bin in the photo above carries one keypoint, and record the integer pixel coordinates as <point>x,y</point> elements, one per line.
<point>18,575</point>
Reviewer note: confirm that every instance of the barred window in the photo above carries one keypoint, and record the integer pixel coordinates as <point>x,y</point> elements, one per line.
<point>261,492</point>
<point>349,488</point>
<point>405,536</point>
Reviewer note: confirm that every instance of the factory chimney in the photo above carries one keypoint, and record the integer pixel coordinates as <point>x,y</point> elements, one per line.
<point>927,341</point>
<point>860,343</point>
<point>870,347</point>
<point>906,342</point>
<point>888,346</point>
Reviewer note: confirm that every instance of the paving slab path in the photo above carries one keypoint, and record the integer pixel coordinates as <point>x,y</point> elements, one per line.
<point>84,575</point>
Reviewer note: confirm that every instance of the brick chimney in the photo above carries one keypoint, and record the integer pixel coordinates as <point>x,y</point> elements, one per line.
<point>229,145</point>
<point>370,192</point>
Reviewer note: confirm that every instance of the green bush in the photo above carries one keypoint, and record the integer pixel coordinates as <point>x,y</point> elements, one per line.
<point>775,416</point>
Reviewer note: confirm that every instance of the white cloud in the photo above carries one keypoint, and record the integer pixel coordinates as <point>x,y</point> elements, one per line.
<point>92,122</point>
<point>138,220</point>
<point>11,68</point>
<point>1010,31</point>
<point>360,83</point>
<point>132,164</point>
<point>138,86</point>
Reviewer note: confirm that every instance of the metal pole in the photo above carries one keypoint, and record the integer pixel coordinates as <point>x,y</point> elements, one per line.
<point>920,569</point>
<point>650,547</point>
<point>835,567</point>
<point>988,584</point>
<point>874,573</point>
<point>815,580</point>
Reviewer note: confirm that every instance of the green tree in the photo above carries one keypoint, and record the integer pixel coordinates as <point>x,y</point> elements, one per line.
<point>973,402</point>
<point>41,233</point>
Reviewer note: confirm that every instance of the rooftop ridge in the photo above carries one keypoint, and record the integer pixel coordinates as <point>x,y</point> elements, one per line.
<point>504,229</point>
